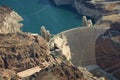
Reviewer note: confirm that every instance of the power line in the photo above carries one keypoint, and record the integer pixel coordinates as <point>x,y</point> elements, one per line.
<point>112,67</point>
<point>115,71</point>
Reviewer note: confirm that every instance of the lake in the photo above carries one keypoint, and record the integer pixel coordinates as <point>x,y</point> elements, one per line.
<point>37,13</point>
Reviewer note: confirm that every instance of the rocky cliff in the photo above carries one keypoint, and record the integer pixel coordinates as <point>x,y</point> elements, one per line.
<point>98,10</point>
<point>9,20</point>
<point>108,50</point>
<point>20,51</point>
<point>61,71</point>
<point>24,56</point>
<point>102,6</point>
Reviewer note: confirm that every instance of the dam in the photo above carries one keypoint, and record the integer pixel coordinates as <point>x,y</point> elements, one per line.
<point>78,46</point>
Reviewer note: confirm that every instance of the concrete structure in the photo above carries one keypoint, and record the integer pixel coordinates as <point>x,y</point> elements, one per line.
<point>78,44</point>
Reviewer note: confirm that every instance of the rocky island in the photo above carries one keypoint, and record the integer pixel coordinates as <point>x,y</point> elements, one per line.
<point>90,52</point>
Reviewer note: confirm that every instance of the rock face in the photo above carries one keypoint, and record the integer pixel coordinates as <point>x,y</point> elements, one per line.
<point>106,21</point>
<point>21,51</point>
<point>86,10</point>
<point>6,74</point>
<point>98,10</point>
<point>102,11</point>
<point>9,20</point>
<point>61,71</point>
<point>100,7</point>
<point>108,50</point>
<point>89,7</point>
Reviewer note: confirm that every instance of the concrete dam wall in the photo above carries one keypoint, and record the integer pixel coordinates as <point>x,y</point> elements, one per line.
<point>78,44</point>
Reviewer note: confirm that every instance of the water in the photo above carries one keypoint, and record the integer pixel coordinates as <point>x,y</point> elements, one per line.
<point>37,13</point>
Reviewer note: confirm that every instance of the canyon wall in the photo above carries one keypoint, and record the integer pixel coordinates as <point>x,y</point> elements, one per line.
<point>98,10</point>
<point>108,50</point>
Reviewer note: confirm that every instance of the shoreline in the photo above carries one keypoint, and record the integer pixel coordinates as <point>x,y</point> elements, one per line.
<point>96,10</point>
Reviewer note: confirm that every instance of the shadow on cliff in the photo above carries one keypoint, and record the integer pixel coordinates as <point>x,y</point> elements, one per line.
<point>108,50</point>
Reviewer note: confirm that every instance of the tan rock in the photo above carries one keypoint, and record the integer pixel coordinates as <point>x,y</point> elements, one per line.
<point>9,20</point>
<point>20,51</point>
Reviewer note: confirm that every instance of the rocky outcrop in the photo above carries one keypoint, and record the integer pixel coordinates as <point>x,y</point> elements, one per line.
<point>45,33</point>
<point>24,56</point>
<point>9,20</point>
<point>98,10</point>
<point>102,11</point>
<point>108,50</point>
<point>106,21</point>
<point>21,51</point>
<point>6,74</point>
<point>61,71</point>
<point>82,9</point>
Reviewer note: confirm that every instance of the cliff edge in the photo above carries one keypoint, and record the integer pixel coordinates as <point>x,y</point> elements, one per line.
<point>102,11</point>
<point>9,20</point>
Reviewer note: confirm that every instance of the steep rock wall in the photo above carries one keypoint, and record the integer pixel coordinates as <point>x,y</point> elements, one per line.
<point>108,50</point>
<point>82,9</point>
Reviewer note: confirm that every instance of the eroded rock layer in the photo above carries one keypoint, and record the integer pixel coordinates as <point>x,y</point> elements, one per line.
<point>6,74</point>
<point>61,71</point>
<point>102,11</point>
<point>20,51</point>
<point>9,20</point>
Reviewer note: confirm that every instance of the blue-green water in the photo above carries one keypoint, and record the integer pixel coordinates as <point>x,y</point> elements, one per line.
<point>37,13</point>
